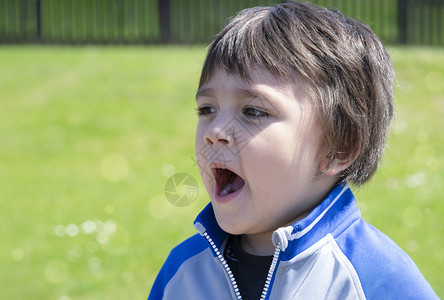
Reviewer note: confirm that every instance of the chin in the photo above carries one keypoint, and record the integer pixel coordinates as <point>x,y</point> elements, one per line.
<point>230,226</point>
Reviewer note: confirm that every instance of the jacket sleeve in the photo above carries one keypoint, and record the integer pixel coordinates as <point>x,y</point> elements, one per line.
<point>159,285</point>
<point>175,260</point>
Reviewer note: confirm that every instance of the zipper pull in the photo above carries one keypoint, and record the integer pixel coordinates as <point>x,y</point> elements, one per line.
<point>200,228</point>
<point>281,236</point>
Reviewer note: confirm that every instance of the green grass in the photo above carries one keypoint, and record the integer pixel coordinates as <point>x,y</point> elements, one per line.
<point>89,136</point>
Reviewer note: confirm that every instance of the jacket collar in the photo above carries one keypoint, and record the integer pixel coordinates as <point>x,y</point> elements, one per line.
<point>335,213</point>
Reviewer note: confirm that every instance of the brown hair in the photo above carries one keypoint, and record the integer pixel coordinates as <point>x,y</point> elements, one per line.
<point>348,73</point>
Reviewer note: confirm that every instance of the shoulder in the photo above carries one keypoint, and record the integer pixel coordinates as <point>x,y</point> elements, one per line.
<point>177,257</point>
<point>384,269</point>
<point>188,248</point>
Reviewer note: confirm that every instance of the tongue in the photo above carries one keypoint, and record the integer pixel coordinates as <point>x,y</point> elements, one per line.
<point>233,186</point>
<point>237,184</point>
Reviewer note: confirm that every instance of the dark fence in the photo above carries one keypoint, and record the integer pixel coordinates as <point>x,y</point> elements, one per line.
<point>194,21</point>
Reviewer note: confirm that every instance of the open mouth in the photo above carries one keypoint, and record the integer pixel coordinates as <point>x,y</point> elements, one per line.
<point>227,182</point>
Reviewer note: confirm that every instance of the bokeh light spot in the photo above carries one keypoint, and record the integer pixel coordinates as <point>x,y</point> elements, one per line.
<point>75,253</point>
<point>168,170</point>
<point>72,230</point>
<point>110,227</point>
<point>115,167</point>
<point>411,246</point>
<point>95,264</point>
<point>56,272</point>
<point>399,126</point>
<point>89,227</point>
<point>159,207</point>
<point>423,152</point>
<point>109,209</point>
<point>362,206</point>
<point>102,237</point>
<point>392,183</point>
<point>127,277</point>
<point>119,243</point>
<point>59,230</point>
<point>17,254</point>
<point>412,216</point>
<point>422,137</point>
<point>416,180</point>
<point>434,81</point>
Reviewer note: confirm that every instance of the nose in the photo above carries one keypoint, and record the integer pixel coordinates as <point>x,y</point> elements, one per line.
<point>221,131</point>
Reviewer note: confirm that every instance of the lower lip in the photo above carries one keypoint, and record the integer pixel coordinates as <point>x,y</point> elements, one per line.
<point>228,197</point>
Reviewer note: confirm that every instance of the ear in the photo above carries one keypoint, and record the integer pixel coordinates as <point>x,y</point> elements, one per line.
<point>341,162</point>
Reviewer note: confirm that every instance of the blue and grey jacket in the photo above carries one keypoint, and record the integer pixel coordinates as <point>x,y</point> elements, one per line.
<point>331,254</point>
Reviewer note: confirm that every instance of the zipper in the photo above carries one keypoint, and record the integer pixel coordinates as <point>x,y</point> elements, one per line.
<point>230,273</point>
<point>274,262</point>
<point>224,264</point>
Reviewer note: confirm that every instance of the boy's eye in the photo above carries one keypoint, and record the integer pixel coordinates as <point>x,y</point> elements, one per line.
<point>205,110</point>
<point>254,112</point>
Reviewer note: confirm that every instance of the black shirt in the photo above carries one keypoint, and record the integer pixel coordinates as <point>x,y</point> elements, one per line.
<point>250,271</point>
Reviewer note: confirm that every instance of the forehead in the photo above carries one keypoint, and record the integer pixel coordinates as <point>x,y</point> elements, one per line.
<point>259,83</point>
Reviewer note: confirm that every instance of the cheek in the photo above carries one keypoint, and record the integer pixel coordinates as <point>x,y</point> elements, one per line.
<point>201,152</point>
<point>200,147</point>
<point>199,134</point>
<point>278,161</point>
<point>265,162</point>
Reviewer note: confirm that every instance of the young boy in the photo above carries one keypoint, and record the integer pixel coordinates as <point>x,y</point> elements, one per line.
<point>294,102</point>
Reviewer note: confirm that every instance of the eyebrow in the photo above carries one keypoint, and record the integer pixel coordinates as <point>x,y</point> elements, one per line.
<point>239,93</point>
<point>204,92</point>
<point>244,93</point>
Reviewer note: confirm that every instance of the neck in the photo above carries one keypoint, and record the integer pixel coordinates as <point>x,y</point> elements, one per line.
<point>259,244</point>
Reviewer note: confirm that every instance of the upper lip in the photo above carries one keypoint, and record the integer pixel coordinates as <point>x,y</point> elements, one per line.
<point>221,179</point>
<point>219,165</point>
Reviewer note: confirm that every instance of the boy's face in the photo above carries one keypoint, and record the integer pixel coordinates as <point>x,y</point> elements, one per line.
<point>257,150</point>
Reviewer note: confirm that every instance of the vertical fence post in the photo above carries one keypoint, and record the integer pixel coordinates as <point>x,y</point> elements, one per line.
<point>38,10</point>
<point>164,21</point>
<point>402,21</point>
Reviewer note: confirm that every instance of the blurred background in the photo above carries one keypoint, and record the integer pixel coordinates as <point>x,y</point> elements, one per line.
<point>97,114</point>
<point>194,21</point>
